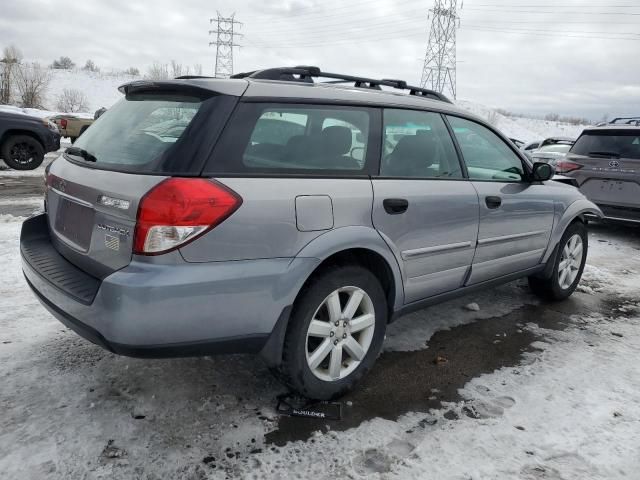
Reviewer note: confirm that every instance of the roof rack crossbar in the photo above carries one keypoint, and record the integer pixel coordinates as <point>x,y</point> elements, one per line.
<point>305,73</point>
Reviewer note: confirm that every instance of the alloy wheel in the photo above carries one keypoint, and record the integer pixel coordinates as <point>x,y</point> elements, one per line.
<point>23,153</point>
<point>570,261</point>
<point>340,333</point>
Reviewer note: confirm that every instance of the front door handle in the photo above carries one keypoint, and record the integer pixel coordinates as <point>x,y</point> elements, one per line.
<point>493,202</point>
<point>395,206</point>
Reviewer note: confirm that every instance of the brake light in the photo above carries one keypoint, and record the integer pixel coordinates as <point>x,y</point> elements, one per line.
<point>566,166</point>
<point>63,122</point>
<point>179,210</point>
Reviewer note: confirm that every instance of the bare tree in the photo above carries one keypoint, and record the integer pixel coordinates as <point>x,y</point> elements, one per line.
<point>64,63</point>
<point>9,63</point>
<point>32,81</point>
<point>197,69</point>
<point>72,101</point>
<point>158,71</point>
<point>176,69</point>
<point>90,66</point>
<point>133,71</point>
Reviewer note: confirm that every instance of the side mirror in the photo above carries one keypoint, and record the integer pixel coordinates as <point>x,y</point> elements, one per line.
<point>542,172</point>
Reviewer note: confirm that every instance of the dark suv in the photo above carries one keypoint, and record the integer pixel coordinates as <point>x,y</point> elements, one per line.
<point>24,140</point>
<point>605,161</point>
<point>272,213</point>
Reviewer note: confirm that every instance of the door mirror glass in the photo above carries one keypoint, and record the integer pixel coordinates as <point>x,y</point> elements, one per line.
<point>542,172</point>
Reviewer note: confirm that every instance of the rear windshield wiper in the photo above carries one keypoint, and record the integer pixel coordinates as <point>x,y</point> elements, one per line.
<point>82,153</point>
<point>604,154</point>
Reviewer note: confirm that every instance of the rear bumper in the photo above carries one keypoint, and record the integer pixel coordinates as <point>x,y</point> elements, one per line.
<point>619,213</point>
<point>152,310</point>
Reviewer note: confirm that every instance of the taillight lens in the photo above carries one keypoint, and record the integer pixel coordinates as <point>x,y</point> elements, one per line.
<point>63,122</point>
<point>179,210</point>
<point>566,166</point>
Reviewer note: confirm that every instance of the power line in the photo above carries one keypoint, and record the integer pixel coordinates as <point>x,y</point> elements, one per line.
<point>439,69</point>
<point>224,43</point>
<point>538,12</point>
<point>544,33</point>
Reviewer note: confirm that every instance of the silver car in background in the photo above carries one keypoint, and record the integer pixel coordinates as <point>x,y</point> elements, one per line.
<point>277,214</point>
<point>551,154</point>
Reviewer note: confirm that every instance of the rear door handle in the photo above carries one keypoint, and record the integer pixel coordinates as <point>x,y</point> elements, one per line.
<point>493,202</point>
<point>395,206</point>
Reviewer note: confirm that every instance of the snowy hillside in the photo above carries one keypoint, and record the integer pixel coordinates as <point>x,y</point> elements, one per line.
<point>525,129</point>
<point>101,89</point>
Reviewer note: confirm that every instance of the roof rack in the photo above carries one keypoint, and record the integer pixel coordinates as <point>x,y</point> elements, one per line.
<point>306,74</point>
<point>626,121</point>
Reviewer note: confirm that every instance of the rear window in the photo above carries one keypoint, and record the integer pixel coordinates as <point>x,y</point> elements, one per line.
<point>609,143</point>
<point>144,133</point>
<point>294,139</point>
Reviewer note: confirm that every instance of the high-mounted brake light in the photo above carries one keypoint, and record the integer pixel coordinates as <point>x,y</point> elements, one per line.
<point>566,166</point>
<point>179,210</point>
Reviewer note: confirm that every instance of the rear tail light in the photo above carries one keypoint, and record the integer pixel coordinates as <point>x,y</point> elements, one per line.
<point>566,166</point>
<point>179,210</point>
<point>63,123</point>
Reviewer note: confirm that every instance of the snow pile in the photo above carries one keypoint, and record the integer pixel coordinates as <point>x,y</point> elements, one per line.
<point>521,128</point>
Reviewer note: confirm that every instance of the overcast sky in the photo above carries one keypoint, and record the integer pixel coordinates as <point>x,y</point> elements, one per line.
<point>571,57</point>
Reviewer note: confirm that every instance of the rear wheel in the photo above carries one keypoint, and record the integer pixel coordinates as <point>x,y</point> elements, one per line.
<point>568,267</point>
<point>22,152</point>
<point>335,333</point>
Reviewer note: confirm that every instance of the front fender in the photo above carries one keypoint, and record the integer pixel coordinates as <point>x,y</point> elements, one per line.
<point>577,209</point>
<point>346,238</point>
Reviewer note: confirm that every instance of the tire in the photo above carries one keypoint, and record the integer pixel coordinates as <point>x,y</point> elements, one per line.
<point>22,152</point>
<point>73,140</point>
<point>302,351</point>
<point>560,285</point>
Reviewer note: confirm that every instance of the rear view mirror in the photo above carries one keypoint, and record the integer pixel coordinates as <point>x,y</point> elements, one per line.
<point>542,172</point>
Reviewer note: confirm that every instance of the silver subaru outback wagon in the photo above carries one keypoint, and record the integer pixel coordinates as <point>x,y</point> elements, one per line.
<point>280,214</point>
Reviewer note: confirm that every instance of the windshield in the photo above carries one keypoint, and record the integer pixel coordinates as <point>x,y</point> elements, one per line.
<point>609,143</point>
<point>137,132</point>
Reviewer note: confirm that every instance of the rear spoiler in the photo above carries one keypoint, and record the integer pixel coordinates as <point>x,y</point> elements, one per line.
<point>200,86</point>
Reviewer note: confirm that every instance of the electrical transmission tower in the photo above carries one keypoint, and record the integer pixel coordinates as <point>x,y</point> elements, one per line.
<point>225,37</point>
<point>439,69</point>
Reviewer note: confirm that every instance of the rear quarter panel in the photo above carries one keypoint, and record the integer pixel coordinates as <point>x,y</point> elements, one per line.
<point>265,225</point>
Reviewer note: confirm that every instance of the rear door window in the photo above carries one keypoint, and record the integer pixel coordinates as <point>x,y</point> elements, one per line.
<point>609,144</point>
<point>294,139</point>
<point>417,145</point>
<point>152,133</point>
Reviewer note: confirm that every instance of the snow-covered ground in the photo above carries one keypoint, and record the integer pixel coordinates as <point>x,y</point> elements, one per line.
<point>566,408</point>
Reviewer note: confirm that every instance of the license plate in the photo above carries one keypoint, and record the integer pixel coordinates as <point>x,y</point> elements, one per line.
<point>74,222</point>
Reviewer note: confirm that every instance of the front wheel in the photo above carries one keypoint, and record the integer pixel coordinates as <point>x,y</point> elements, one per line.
<point>22,152</point>
<point>569,265</point>
<point>335,333</point>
